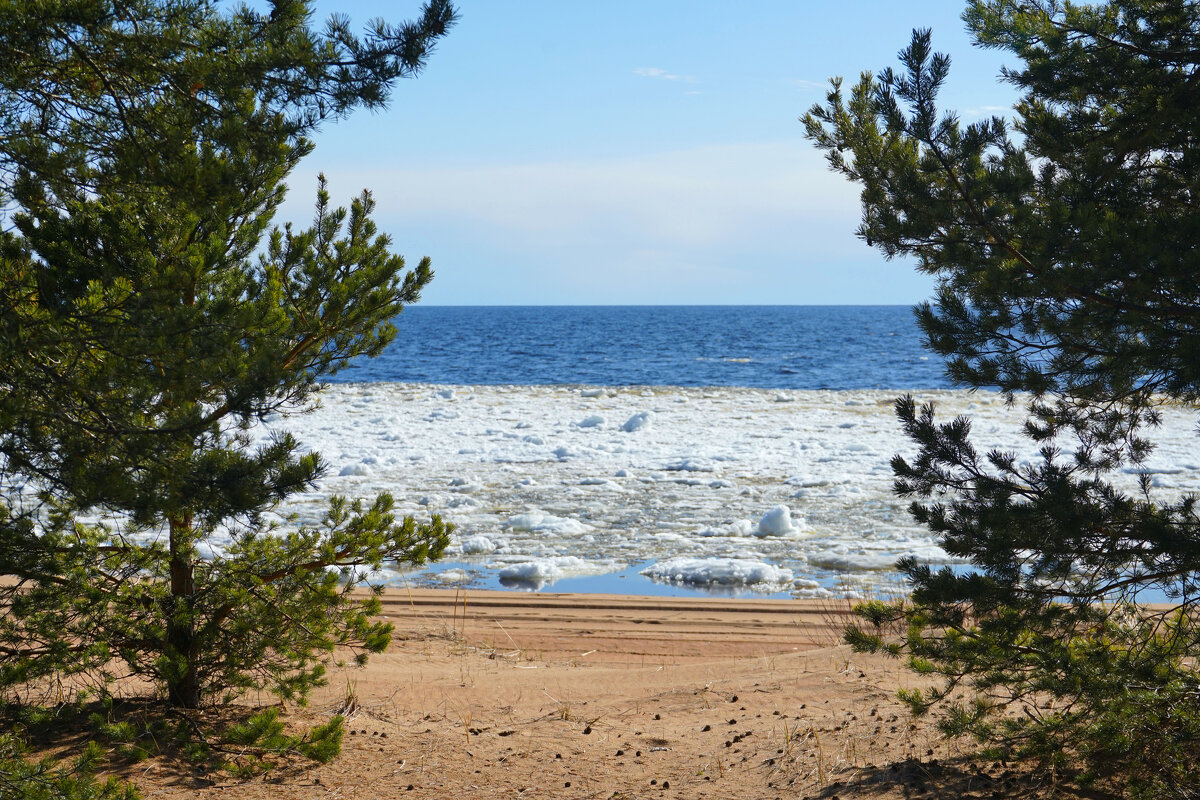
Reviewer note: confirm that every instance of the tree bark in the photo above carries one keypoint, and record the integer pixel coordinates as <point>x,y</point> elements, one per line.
<point>183,688</point>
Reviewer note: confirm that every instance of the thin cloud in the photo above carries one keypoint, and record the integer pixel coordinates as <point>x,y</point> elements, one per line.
<point>691,197</point>
<point>746,222</point>
<point>804,83</point>
<point>986,111</point>
<point>662,74</point>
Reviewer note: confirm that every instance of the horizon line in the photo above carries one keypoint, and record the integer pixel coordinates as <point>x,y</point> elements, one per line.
<point>660,305</point>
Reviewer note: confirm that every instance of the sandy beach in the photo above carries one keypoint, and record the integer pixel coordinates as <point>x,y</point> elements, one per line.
<point>535,695</point>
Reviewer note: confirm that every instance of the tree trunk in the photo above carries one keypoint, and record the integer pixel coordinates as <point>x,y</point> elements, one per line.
<point>183,688</point>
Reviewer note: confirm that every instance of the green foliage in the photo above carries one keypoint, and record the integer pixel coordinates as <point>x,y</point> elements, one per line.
<point>152,318</point>
<point>264,732</point>
<point>263,729</point>
<point>21,779</point>
<point>119,734</point>
<point>1063,244</point>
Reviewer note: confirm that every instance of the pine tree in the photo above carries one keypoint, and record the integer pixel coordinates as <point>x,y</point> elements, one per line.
<point>152,318</point>
<point>1065,254</point>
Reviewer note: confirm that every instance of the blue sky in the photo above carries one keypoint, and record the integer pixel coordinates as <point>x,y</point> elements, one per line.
<point>633,152</point>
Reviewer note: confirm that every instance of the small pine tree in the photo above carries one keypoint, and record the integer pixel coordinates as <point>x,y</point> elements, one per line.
<point>1066,260</point>
<point>148,326</point>
<point>22,779</point>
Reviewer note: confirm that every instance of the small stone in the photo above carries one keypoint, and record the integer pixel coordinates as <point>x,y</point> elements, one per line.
<point>706,728</point>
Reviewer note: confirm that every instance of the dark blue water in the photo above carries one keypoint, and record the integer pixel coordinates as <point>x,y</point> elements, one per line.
<point>775,347</point>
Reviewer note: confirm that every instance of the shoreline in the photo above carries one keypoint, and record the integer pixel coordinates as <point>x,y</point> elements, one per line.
<point>614,628</point>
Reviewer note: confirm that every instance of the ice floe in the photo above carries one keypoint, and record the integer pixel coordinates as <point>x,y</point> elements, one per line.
<point>547,482</point>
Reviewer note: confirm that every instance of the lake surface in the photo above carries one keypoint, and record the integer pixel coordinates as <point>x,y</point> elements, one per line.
<point>766,347</point>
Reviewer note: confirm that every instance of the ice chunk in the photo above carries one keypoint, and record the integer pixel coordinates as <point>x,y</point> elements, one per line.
<point>453,576</point>
<point>690,465</point>
<point>358,470</point>
<point>636,422</point>
<point>776,522</point>
<point>721,571</point>
<point>538,572</point>
<point>540,521</point>
<point>741,527</point>
<point>592,421</point>
<point>478,544</point>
